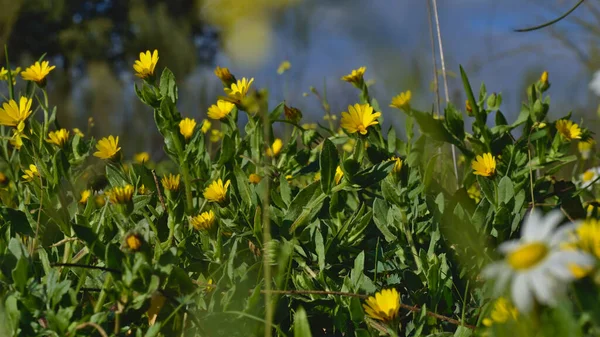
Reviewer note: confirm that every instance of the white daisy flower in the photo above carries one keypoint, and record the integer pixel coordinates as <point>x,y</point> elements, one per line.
<point>534,265</point>
<point>586,180</point>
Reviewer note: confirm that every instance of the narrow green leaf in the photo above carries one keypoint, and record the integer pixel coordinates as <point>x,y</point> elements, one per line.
<point>329,161</point>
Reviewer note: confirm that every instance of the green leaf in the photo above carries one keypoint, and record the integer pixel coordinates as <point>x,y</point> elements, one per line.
<point>227,150</point>
<point>276,113</point>
<point>329,161</point>
<point>357,272</point>
<point>301,200</point>
<point>320,250</point>
<point>301,326</point>
<point>168,86</point>
<point>243,186</point>
<point>115,176</point>
<point>479,116</point>
<point>454,120</point>
<point>19,274</point>
<point>506,190</point>
<point>380,212</point>
<point>89,237</point>
<point>488,188</point>
<point>373,174</point>
<point>18,221</point>
<point>463,331</point>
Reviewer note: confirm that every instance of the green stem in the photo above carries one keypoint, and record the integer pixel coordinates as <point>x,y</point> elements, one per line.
<point>102,297</point>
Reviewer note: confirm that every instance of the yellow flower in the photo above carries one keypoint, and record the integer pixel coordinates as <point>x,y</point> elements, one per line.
<point>568,129</point>
<point>17,139</point>
<point>37,72</point>
<point>317,176</point>
<point>203,221</point>
<point>142,157</point>
<point>283,67</point>
<point>59,137</point>
<point>107,147</point>
<point>384,306</point>
<point>289,177</point>
<point>134,242</point>
<point>171,182</point>
<point>13,74</point>
<point>31,173</point>
<point>217,192</point>
<point>254,178</point>
<point>121,195</point>
<point>359,118</point>
<point>397,165</point>
<point>206,124</point>
<point>215,135</point>
<point>223,74</point>
<point>144,67</point>
<point>100,200</point>
<point>588,237</point>
<point>402,101</point>
<point>274,150</point>
<point>78,132</point>
<point>12,114</point>
<point>356,76</point>
<point>484,165</point>
<point>220,110</point>
<point>544,77</point>
<point>240,89</point>
<point>502,312</point>
<point>474,193</point>
<point>142,190</point>
<point>85,195</point>
<point>186,127</point>
<point>339,174</point>
<point>586,147</point>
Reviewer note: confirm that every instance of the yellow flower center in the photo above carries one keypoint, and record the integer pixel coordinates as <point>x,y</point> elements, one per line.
<point>527,255</point>
<point>588,175</point>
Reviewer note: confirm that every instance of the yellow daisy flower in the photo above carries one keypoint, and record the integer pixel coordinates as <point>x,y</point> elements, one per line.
<point>402,101</point>
<point>186,127</point>
<point>121,195</point>
<point>274,150</point>
<point>220,110</point>
<point>107,147</point>
<point>239,89</point>
<point>142,190</point>
<point>356,76</point>
<point>37,72</point>
<point>134,242</point>
<point>217,192</point>
<point>206,124</point>
<point>254,178</point>
<point>85,195</point>
<point>339,174</point>
<point>144,67</point>
<point>17,139</point>
<point>171,182</point>
<point>31,173</point>
<point>142,157</point>
<point>59,137</point>
<point>397,165</point>
<point>203,221</point>
<point>568,129</point>
<point>502,312</point>
<point>12,114</point>
<point>484,165</point>
<point>384,306</point>
<point>359,118</point>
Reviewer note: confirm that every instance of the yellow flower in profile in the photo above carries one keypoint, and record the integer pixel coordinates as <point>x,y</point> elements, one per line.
<point>397,165</point>
<point>223,74</point>
<point>586,147</point>
<point>217,192</point>
<point>206,124</point>
<point>239,89</point>
<point>85,195</point>
<point>588,236</point>
<point>356,76</point>
<point>107,147</point>
<point>37,72</point>
<point>17,139</point>
<point>359,118</point>
<point>144,67</point>
<point>171,182</point>
<point>59,137</point>
<point>186,127</point>
<point>220,110</point>
<point>568,129</point>
<point>274,150</point>
<point>544,77</point>
<point>339,174</point>
<point>402,101</point>
<point>78,132</point>
<point>142,157</point>
<point>254,178</point>
<point>215,135</point>
<point>12,114</point>
<point>13,74</point>
<point>484,165</point>
<point>31,173</point>
<point>121,195</point>
<point>283,67</point>
<point>502,312</point>
<point>384,306</point>
<point>203,221</point>
<point>134,242</point>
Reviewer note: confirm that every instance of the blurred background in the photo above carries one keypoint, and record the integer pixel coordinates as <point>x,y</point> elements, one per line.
<point>95,42</point>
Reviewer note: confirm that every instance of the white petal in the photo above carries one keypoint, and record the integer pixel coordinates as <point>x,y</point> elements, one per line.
<point>502,281</point>
<point>547,226</point>
<point>530,225</point>
<point>543,287</point>
<point>493,269</point>
<point>508,246</point>
<point>521,294</point>
<point>563,234</point>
